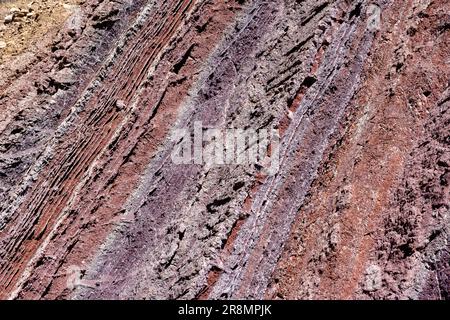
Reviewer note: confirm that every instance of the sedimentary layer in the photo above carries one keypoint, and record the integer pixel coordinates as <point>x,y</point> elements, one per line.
<point>92,205</point>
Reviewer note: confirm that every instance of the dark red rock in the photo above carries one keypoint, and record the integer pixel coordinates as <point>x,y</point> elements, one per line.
<point>91,205</point>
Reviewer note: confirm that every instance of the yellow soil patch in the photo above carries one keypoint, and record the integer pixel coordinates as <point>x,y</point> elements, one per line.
<point>32,22</point>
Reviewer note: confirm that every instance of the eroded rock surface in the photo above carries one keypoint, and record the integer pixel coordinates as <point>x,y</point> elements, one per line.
<point>92,205</point>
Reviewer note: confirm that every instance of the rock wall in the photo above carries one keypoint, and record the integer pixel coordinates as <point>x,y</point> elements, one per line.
<point>92,205</point>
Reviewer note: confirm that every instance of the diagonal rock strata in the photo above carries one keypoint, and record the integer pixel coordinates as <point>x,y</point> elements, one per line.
<point>93,206</point>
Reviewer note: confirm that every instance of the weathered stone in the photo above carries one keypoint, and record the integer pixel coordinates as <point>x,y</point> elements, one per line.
<point>98,97</point>
<point>9,18</point>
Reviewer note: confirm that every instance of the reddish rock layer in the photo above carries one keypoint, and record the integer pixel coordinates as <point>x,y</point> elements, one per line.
<point>92,207</point>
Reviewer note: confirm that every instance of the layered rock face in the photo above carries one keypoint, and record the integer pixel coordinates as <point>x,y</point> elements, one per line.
<point>93,205</point>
